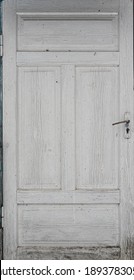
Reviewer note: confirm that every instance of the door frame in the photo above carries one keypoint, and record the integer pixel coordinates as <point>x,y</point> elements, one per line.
<point>127,147</point>
<point>10,130</point>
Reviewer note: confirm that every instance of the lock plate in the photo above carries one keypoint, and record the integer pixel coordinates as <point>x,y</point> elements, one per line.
<point>127,133</point>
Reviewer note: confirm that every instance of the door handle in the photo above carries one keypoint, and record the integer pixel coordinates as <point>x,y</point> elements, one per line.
<point>126,121</point>
<point>127,125</point>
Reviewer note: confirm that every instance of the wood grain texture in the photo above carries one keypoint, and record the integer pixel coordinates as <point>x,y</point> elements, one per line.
<point>96,141</point>
<point>81,58</point>
<point>81,157</point>
<point>127,147</point>
<point>67,6</point>
<point>68,32</point>
<point>67,197</point>
<point>9,128</point>
<point>64,107</point>
<point>68,224</point>
<point>39,127</point>
<point>68,127</point>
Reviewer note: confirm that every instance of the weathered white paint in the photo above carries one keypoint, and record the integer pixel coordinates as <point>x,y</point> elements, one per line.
<point>68,6</point>
<point>68,31</point>
<point>68,225</point>
<point>39,127</point>
<point>126,104</point>
<point>69,168</point>
<point>86,58</point>
<point>67,197</point>
<point>68,128</point>
<point>9,130</point>
<point>96,141</point>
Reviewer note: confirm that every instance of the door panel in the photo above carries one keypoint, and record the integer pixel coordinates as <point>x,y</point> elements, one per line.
<point>39,127</point>
<point>68,109</point>
<point>68,172</point>
<point>48,159</point>
<point>68,225</point>
<point>68,31</point>
<point>97,148</point>
<point>77,103</point>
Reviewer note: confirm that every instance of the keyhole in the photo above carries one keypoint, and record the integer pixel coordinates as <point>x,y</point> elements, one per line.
<point>127,130</point>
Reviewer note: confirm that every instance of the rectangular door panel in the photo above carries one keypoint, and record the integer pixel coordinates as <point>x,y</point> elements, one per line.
<point>68,32</point>
<point>39,106</point>
<point>97,146</point>
<point>68,224</point>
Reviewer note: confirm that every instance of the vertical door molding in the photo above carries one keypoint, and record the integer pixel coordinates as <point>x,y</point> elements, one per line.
<point>9,128</point>
<point>127,145</point>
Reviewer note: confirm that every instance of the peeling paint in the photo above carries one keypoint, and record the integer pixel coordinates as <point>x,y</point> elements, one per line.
<point>130,249</point>
<point>69,253</point>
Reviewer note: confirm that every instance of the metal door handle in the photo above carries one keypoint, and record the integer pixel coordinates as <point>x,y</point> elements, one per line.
<point>125,121</point>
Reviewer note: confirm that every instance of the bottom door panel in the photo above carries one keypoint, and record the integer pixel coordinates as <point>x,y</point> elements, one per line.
<point>54,225</point>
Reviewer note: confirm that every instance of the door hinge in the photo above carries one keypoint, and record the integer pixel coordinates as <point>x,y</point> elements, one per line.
<point>2,216</point>
<point>1,45</point>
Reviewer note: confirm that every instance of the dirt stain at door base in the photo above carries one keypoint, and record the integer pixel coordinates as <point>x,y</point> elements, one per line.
<point>70,253</point>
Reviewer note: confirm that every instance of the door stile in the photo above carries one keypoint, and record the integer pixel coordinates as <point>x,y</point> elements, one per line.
<point>9,129</point>
<point>126,145</point>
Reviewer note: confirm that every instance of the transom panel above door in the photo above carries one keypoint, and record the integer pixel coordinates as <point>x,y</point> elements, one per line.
<point>69,171</point>
<point>68,32</point>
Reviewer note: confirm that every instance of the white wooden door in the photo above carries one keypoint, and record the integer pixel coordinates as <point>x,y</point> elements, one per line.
<point>68,184</point>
